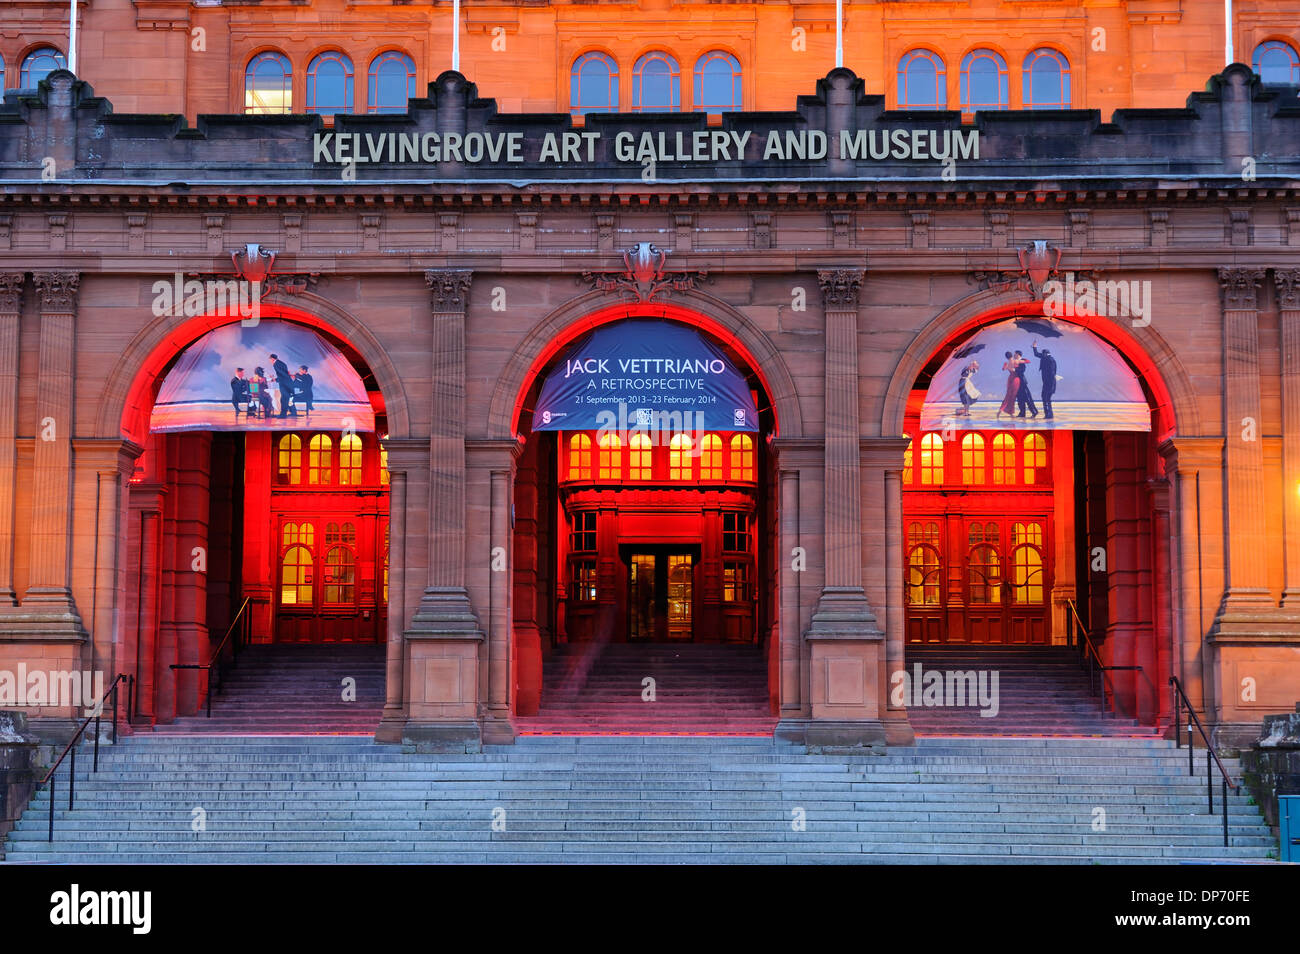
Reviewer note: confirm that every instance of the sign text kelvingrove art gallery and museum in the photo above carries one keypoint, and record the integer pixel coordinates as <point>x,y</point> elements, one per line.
<point>783,410</point>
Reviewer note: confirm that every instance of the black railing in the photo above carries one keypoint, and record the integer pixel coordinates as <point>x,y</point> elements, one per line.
<point>1092,658</point>
<point>71,747</point>
<point>1180,700</point>
<point>239,630</point>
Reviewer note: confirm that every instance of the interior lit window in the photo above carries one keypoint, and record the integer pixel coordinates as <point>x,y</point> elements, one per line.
<point>350,459</point>
<point>295,577</point>
<point>742,457</point>
<point>1027,575</point>
<point>735,582</point>
<point>1004,459</point>
<point>579,457</point>
<point>384,476</point>
<point>1035,457</point>
<point>610,464</point>
<point>289,465</point>
<point>340,575</point>
<point>268,84</point>
<point>907,463</point>
<point>932,459</point>
<point>972,459</point>
<point>641,460</point>
<point>320,450</point>
<point>680,462</point>
<point>711,457</point>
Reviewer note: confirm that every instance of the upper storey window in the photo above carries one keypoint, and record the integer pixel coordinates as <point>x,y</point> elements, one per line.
<point>1276,62</point>
<point>594,84</point>
<point>329,83</point>
<point>922,81</point>
<point>656,83</point>
<point>39,64</point>
<point>268,84</point>
<point>717,82</point>
<point>1047,80</point>
<point>391,82</point>
<point>984,83</point>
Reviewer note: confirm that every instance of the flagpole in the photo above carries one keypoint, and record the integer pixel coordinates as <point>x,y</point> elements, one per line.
<point>839,33</point>
<point>455,35</point>
<point>72,36</point>
<point>1227,33</point>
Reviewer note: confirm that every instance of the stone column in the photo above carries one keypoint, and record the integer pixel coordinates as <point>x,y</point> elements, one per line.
<point>408,462</point>
<point>49,593</point>
<point>882,546</point>
<point>799,468</point>
<point>444,634</point>
<point>845,642</point>
<point>1287,282</point>
<point>1247,590</point>
<point>1161,654</point>
<point>11,303</point>
<point>497,726</point>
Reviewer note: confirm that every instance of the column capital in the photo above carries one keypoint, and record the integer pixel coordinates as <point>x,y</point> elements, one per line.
<point>840,287</point>
<point>449,287</point>
<point>1240,287</point>
<point>58,291</point>
<point>11,292</point>
<point>1287,283</point>
<point>1187,455</point>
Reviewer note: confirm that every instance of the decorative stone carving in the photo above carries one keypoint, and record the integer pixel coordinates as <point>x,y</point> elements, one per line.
<point>1240,287</point>
<point>450,288</point>
<point>1038,263</point>
<point>643,275</point>
<point>58,291</point>
<point>1287,282</point>
<point>11,292</point>
<point>291,283</point>
<point>840,287</point>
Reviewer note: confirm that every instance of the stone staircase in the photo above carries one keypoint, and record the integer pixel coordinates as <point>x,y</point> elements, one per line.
<point>1041,691</point>
<point>294,689</point>
<point>639,800</point>
<point>600,688</point>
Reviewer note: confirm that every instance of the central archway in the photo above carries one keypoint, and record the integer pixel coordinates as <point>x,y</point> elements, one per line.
<point>644,557</point>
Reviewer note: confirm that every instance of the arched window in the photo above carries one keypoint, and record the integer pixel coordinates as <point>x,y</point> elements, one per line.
<point>656,83</point>
<point>289,465</point>
<point>303,533</point>
<point>931,459</point>
<point>983,81</point>
<point>268,84</point>
<point>1035,457</point>
<point>350,459</point>
<point>295,577</point>
<point>610,464</point>
<point>640,461</point>
<point>1031,533</point>
<point>922,81</point>
<point>1046,80</point>
<point>1026,575</point>
<point>983,574</point>
<point>1004,459</point>
<point>1276,63</point>
<point>717,82</point>
<point>579,457</point>
<point>923,564</point>
<point>907,463</point>
<point>391,82</point>
<point>593,85</point>
<point>344,533</point>
<point>972,459</point>
<point>329,83</point>
<point>39,64</point>
<point>710,457</point>
<point>680,461</point>
<point>320,450</point>
<point>742,457</point>
<point>2,72</point>
<point>340,576</point>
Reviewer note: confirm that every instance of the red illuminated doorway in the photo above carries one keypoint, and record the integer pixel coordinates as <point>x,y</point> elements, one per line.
<point>661,595</point>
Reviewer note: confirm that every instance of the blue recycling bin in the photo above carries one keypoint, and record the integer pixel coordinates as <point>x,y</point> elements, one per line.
<point>1288,820</point>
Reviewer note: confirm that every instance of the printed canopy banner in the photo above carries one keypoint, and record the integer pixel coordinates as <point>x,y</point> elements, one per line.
<point>204,391</point>
<point>1037,372</point>
<point>645,374</point>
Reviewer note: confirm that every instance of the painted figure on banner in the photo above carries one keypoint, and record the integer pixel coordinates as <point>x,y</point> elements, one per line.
<point>239,392</point>
<point>1024,399</point>
<point>1012,367</point>
<point>1047,369</point>
<point>967,393</point>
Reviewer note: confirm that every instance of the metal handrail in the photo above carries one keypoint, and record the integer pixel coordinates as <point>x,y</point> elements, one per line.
<point>1180,699</point>
<point>1094,657</point>
<point>71,747</point>
<point>214,663</point>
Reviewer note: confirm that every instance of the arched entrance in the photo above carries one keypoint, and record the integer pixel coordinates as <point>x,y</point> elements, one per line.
<point>1034,544</point>
<point>257,525</point>
<point>643,545</point>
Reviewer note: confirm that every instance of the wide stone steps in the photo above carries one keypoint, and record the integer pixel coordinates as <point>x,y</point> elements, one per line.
<point>638,799</point>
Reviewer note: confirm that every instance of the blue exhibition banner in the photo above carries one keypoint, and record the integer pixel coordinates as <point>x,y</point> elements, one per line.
<point>645,375</point>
